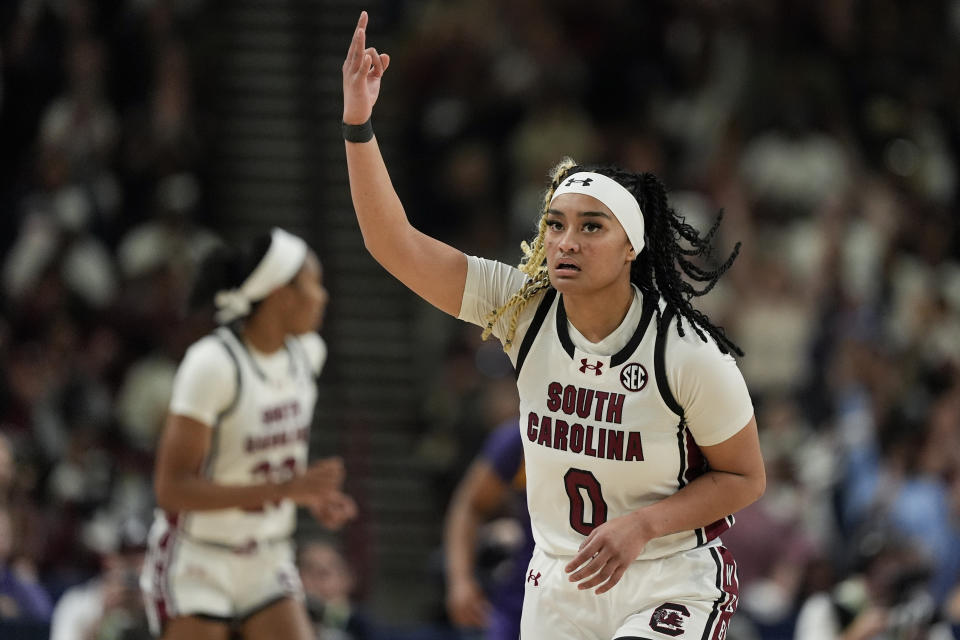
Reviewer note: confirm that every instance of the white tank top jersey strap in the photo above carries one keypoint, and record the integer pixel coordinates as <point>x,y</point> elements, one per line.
<point>614,426</point>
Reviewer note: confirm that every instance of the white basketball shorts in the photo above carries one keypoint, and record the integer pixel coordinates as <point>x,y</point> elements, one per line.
<point>184,577</point>
<point>687,596</point>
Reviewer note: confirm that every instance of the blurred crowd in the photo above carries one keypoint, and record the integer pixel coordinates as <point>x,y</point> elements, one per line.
<point>99,202</point>
<point>828,131</point>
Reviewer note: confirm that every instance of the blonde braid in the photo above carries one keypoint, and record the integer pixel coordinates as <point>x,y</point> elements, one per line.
<point>533,263</point>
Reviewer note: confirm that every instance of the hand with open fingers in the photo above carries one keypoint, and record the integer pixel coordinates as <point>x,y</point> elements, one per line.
<point>333,510</point>
<point>607,553</point>
<point>362,71</point>
<point>320,478</point>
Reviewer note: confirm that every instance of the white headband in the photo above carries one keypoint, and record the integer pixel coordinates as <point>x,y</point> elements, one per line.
<point>613,194</point>
<point>282,261</point>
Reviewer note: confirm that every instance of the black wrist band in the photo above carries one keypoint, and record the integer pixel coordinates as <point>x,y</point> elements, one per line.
<point>358,132</point>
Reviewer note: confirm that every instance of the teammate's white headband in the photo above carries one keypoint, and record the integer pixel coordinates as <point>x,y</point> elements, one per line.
<point>282,261</point>
<point>613,194</point>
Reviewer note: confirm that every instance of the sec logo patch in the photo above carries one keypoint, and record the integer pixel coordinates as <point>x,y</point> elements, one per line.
<point>633,377</point>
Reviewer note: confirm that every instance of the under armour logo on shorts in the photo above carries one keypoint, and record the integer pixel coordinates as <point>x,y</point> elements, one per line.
<point>597,368</point>
<point>584,182</point>
<point>534,578</point>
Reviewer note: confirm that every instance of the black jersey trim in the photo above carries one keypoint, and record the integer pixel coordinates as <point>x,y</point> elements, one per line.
<point>682,446</point>
<point>236,396</point>
<point>659,362</point>
<point>649,304</point>
<point>701,533</point>
<point>294,344</point>
<point>534,328</point>
<point>563,332</point>
<point>715,611</point>
<point>243,348</point>
<point>226,411</point>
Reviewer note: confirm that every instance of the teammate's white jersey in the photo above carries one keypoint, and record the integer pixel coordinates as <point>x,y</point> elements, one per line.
<point>610,427</point>
<point>260,408</point>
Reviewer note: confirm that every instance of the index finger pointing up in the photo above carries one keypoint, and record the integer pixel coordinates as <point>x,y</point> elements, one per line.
<point>358,43</point>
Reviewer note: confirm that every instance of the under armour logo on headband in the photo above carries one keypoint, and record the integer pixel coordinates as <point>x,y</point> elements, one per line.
<point>621,202</point>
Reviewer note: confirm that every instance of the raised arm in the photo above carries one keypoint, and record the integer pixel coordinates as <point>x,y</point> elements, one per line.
<point>431,269</point>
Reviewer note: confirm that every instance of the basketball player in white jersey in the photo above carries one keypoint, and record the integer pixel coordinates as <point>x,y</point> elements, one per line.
<point>232,462</point>
<point>638,431</point>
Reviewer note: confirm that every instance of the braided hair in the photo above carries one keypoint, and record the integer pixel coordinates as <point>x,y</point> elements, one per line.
<point>658,271</point>
<point>533,263</point>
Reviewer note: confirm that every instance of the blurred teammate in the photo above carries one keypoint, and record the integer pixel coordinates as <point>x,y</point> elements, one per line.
<point>638,432</point>
<point>232,461</point>
<point>494,483</point>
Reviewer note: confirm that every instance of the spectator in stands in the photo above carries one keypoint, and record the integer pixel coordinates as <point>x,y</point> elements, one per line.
<point>328,584</point>
<point>884,597</point>
<point>109,605</point>
<point>26,535</point>
<point>21,597</point>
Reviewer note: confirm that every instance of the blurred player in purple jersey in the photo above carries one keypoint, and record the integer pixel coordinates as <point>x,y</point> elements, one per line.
<point>494,484</point>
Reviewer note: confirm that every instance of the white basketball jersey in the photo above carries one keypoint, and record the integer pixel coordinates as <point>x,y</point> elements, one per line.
<point>263,435</point>
<point>602,435</point>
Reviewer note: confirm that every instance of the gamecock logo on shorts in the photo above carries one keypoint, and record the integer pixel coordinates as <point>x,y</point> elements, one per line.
<point>668,618</point>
